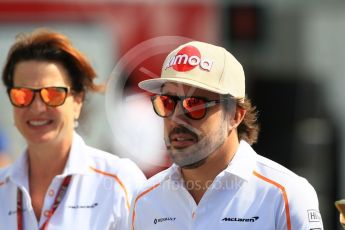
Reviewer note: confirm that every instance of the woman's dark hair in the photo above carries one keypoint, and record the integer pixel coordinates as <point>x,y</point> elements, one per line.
<point>45,45</point>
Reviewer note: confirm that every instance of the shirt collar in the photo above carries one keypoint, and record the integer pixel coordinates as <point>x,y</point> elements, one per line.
<point>18,172</point>
<point>174,173</point>
<point>243,162</point>
<point>77,163</point>
<point>242,165</point>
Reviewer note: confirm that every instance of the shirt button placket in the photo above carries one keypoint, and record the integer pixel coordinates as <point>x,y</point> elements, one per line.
<point>46,213</point>
<point>51,192</point>
<point>193,222</point>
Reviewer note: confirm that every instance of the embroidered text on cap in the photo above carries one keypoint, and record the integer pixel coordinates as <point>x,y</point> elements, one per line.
<point>187,59</point>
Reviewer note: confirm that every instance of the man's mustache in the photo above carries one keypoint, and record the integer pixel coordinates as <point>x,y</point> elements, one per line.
<point>182,129</point>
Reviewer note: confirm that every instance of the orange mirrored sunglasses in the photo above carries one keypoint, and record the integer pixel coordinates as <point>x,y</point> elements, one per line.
<point>52,96</point>
<point>193,107</point>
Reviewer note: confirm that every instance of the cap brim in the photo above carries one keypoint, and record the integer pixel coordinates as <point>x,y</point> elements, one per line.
<point>155,85</point>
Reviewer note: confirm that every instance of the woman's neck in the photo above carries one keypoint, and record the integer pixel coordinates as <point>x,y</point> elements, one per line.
<point>47,160</point>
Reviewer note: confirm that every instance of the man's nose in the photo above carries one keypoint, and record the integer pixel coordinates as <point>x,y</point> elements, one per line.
<point>179,115</point>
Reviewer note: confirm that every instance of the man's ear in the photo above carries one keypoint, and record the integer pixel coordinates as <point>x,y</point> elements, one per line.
<point>238,117</point>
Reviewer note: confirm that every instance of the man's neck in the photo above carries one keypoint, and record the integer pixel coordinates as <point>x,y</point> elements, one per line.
<point>199,179</point>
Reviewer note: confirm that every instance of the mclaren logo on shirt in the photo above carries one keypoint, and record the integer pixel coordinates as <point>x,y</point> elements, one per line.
<point>236,219</point>
<point>160,220</point>
<point>94,205</point>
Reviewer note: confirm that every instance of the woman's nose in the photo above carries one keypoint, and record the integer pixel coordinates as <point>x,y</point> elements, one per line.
<point>37,104</point>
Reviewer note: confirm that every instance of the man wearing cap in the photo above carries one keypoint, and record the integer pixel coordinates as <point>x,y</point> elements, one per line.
<point>217,180</point>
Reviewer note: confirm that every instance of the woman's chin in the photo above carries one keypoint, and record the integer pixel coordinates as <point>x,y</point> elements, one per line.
<point>41,139</point>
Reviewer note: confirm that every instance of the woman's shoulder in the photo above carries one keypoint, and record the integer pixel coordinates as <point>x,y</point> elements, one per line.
<point>112,164</point>
<point>123,170</point>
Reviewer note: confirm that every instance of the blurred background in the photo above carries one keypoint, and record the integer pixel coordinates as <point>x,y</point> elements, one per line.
<point>292,53</point>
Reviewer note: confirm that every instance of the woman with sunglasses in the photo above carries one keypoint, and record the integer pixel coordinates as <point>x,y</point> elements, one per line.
<point>58,182</point>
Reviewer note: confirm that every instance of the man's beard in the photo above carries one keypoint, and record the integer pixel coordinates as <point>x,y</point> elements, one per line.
<point>196,155</point>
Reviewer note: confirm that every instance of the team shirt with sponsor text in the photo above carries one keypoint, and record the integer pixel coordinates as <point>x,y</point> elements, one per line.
<point>253,192</point>
<point>98,196</point>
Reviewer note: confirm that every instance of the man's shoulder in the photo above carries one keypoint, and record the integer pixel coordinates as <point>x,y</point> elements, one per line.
<point>264,168</point>
<point>275,175</point>
<point>274,169</point>
<point>298,195</point>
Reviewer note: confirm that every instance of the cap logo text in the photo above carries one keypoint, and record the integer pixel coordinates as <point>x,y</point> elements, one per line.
<point>187,59</point>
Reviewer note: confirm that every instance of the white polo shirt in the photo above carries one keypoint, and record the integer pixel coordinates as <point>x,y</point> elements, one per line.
<point>251,193</point>
<point>98,196</point>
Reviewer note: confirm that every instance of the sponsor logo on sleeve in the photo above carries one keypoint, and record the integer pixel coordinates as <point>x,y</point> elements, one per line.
<point>314,215</point>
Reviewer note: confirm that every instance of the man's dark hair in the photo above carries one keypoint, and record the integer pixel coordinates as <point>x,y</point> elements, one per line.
<point>248,129</point>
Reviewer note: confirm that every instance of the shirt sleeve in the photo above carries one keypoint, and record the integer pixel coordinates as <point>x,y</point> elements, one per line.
<point>131,212</point>
<point>303,208</point>
<point>132,178</point>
